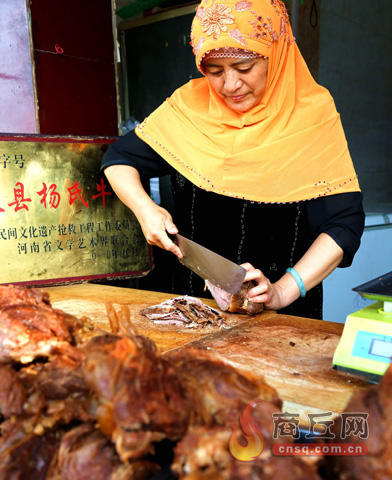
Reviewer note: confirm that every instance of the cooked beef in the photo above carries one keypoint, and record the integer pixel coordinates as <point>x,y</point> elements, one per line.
<point>218,392</point>
<point>235,303</point>
<point>141,399</point>
<point>376,401</point>
<point>99,408</point>
<point>185,311</point>
<point>62,375</point>
<point>85,453</point>
<point>204,454</point>
<point>25,456</point>
<point>12,392</point>
<point>57,392</point>
<point>30,330</point>
<point>120,322</point>
<point>13,295</point>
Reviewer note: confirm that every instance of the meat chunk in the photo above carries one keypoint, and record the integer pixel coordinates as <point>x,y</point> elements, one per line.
<point>185,311</point>
<point>204,453</point>
<point>235,303</point>
<point>25,456</point>
<point>29,326</point>
<point>12,392</point>
<point>62,375</point>
<point>218,392</point>
<point>85,453</point>
<point>56,392</point>
<point>141,398</point>
<point>374,432</point>
<point>14,295</point>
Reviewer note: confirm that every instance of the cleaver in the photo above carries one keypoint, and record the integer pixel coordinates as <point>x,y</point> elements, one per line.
<point>209,265</point>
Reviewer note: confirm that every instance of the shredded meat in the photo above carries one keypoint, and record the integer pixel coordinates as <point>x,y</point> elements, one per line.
<point>185,311</point>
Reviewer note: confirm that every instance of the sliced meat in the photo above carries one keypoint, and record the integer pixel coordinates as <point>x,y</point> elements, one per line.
<point>185,311</point>
<point>235,303</point>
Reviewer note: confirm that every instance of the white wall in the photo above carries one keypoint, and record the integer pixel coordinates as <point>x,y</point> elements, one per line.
<point>373,258</point>
<point>16,84</point>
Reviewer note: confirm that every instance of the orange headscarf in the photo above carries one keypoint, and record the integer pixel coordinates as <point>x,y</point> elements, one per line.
<point>289,147</point>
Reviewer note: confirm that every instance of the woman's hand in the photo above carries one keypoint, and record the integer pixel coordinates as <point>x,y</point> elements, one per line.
<point>264,292</point>
<point>156,223</point>
<point>322,257</point>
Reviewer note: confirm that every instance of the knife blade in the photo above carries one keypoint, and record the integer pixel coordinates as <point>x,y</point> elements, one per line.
<point>209,265</point>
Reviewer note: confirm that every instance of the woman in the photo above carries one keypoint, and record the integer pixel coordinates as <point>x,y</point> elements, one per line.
<point>261,172</point>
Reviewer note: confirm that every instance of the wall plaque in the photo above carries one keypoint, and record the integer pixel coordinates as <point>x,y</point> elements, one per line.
<point>59,219</point>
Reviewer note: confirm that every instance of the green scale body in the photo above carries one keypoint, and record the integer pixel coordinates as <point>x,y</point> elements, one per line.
<point>365,347</point>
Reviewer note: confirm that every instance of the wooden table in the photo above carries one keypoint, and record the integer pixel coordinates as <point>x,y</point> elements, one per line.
<point>293,354</point>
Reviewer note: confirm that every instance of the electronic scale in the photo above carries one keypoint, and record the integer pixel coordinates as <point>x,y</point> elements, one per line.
<point>365,347</point>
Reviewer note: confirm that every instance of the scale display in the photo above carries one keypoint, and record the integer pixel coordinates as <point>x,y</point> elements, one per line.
<point>382,348</point>
<point>373,346</point>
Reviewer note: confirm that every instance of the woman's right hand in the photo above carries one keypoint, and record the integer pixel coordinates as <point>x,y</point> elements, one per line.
<point>156,222</point>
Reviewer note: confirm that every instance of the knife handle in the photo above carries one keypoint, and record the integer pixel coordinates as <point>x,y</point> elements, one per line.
<point>173,237</point>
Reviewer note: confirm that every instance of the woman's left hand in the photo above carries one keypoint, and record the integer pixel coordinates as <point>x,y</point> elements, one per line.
<point>264,292</point>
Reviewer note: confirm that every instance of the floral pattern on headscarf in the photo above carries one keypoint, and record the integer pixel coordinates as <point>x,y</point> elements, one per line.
<point>229,22</point>
<point>215,19</point>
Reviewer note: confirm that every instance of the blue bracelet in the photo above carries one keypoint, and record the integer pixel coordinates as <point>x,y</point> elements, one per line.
<point>298,281</point>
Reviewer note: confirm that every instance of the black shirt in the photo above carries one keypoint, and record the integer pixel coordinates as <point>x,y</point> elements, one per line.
<point>270,236</point>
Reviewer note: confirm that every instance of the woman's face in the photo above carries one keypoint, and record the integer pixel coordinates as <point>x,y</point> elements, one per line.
<point>239,82</point>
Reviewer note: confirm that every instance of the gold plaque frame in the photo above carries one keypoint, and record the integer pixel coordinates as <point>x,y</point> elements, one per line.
<point>59,220</point>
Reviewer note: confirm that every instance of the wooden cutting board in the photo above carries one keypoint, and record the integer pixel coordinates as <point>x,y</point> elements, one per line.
<point>292,354</point>
<point>89,300</point>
